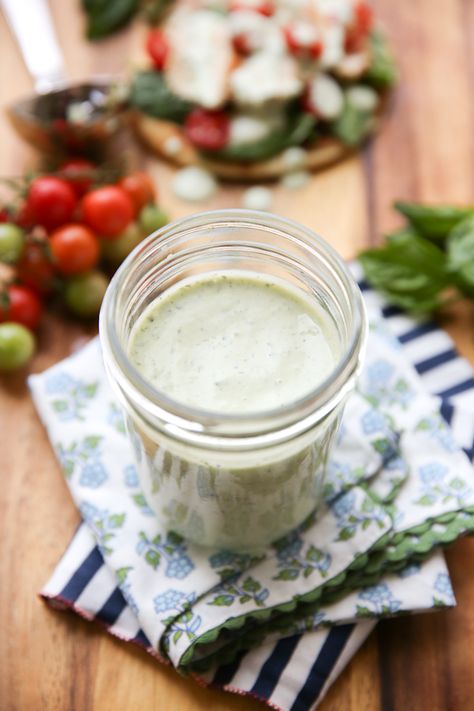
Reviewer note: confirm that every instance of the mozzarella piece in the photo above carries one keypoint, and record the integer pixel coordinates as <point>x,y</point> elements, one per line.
<point>257,198</point>
<point>194,184</point>
<point>362,97</point>
<point>333,46</point>
<point>245,128</point>
<point>353,65</point>
<point>172,145</point>
<point>296,180</point>
<point>265,76</point>
<point>340,10</point>
<point>260,32</point>
<point>326,97</point>
<point>303,33</point>
<point>294,157</point>
<point>200,57</point>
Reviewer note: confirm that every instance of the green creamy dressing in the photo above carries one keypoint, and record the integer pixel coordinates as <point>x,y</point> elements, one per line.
<point>234,344</point>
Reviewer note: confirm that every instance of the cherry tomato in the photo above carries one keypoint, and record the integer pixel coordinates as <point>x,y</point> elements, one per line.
<point>157,47</point>
<point>77,172</point>
<point>140,189</point>
<point>242,44</point>
<point>302,40</point>
<point>208,130</point>
<point>35,269</point>
<point>116,251</point>
<point>22,306</point>
<point>84,293</point>
<point>17,346</point>
<point>75,249</point>
<point>151,218</point>
<point>263,7</point>
<point>24,217</point>
<point>107,211</point>
<point>52,201</point>
<point>362,24</point>
<point>4,215</point>
<point>12,242</point>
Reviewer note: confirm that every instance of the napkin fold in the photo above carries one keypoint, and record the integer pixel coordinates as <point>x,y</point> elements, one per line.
<point>397,487</point>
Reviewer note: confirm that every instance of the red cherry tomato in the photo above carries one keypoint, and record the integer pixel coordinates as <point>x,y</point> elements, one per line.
<point>241,43</point>
<point>75,249</point>
<point>157,47</point>
<point>107,211</point>
<point>77,172</point>
<point>22,306</point>
<point>208,130</point>
<point>24,217</point>
<point>140,188</point>
<point>362,24</point>
<point>52,201</point>
<point>35,269</point>
<point>301,40</point>
<point>263,7</point>
<point>5,215</point>
<point>364,17</point>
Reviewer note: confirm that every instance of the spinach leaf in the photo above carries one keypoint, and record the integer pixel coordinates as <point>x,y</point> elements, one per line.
<point>409,270</point>
<point>149,93</point>
<point>353,125</point>
<point>432,222</point>
<point>461,255</point>
<point>106,16</point>
<point>296,132</point>
<point>382,72</point>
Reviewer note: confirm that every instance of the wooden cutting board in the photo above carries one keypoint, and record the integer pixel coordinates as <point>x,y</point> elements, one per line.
<point>53,661</point>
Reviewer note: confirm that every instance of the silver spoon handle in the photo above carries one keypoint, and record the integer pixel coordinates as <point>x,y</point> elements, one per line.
<point>32,25</point>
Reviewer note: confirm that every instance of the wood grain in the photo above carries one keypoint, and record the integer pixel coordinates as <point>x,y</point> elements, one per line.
<point>56,662</point>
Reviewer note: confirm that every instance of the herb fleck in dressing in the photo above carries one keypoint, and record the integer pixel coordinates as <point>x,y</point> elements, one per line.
<point>234,344</point>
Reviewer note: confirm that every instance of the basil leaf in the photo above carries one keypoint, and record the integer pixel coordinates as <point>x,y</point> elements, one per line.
<point>461,255</point>
<point>106,16</point>
<point>405,232</point>
<point>409,270</point>
<point>155,10</point>
<point>431,222</point>
<point>149,93</point>
<point>382,72</point>
<point>353,125</point>
<point>296,132</point>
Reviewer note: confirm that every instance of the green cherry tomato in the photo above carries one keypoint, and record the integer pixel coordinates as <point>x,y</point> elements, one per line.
<point>151,218</point>
<point>12,242</point>
<point>84,293</point>
<point>17,345</point>
<point>116,251</point>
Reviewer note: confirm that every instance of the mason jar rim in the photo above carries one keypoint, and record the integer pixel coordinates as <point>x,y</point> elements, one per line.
<point>200,426</point>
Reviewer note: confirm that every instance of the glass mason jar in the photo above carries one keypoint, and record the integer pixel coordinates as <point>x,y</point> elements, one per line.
<point>233,481</point>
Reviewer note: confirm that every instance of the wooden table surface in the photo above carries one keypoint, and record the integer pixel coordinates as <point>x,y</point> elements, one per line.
<point>55,661</point>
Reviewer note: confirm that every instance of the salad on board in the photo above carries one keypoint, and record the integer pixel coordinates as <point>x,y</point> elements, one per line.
<point>234,84</point>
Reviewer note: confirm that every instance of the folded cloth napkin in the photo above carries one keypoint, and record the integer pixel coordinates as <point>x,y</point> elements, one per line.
<point>397,486</point>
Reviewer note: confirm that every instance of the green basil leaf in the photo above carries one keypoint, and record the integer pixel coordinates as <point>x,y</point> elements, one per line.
<point>105,16</point>
<point>461,255</point>
<point>409,270</point>
<point>404,232</point>
<point>297,131</point>
<point>149,93</point>
<point>353,125</point>
<point>382,72</point>
<point>433,222</point>
<point>155,10</point>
